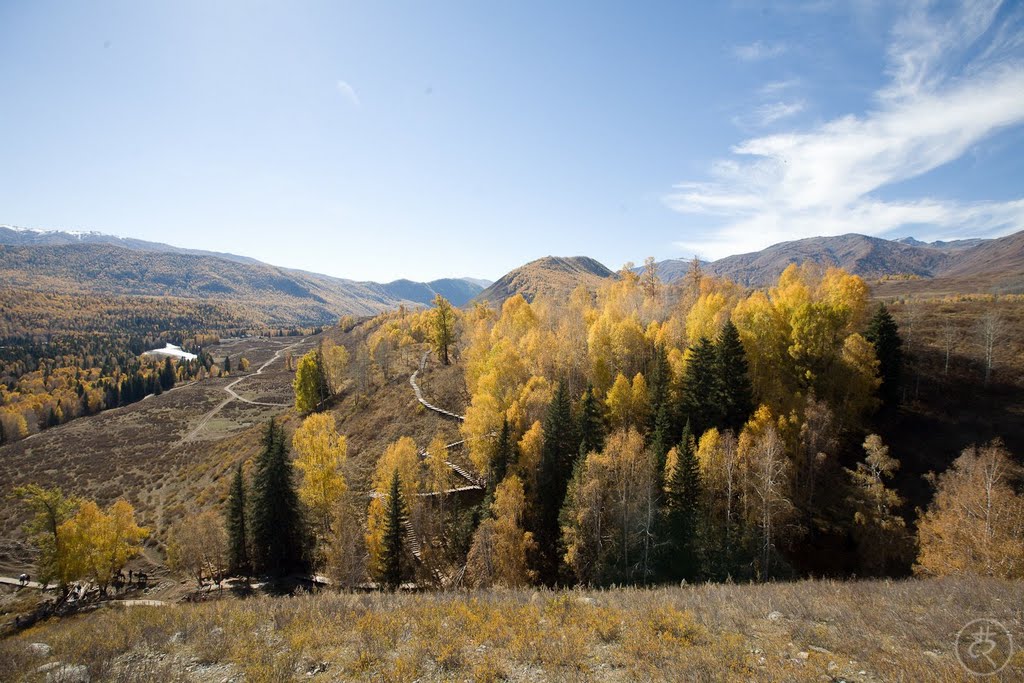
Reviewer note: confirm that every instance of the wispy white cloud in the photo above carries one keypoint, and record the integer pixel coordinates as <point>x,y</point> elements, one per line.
<point>773,112</point>
<point>348,92</point>
<point>773,88</point>
<point>822,180</point>
<point>758,51</point>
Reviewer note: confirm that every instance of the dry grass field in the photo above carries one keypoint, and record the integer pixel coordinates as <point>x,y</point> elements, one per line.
<point>803,631</point>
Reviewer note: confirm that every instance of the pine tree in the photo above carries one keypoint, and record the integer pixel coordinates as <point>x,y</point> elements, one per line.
<point>661,436</point>
<point>591,422</point>
<point>504,457</point>
<point>3,434</point>
<point>392,560</point>
<point>557,456</point>
<point>238,550</point>
<point>682,507</point>
<point>701,395</point>
<point>227,365</point>
<point>884,335</point>
<point>167,375</point>
<point>735,391</point>
<point>658,387</point>
<point>276,523</point>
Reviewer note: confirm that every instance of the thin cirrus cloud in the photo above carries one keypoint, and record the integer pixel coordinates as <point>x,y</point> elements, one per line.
<point>348,92</point>
<point>758,51</point>
<point>772,112</point>
<point>774,88</point>
<point>822,180</point>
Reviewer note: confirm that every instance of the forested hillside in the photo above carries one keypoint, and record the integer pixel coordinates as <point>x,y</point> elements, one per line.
<point>648,432</point>
<point>68,354</point>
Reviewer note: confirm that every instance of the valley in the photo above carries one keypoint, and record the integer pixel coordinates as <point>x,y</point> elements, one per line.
<point>172,456</point>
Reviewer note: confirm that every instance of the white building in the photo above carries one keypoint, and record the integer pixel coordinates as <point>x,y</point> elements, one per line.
<point>171,351</point>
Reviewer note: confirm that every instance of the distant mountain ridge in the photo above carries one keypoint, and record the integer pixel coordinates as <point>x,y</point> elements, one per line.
<point>93,262</point>
<point>28,237</point>
<point>987,263</point>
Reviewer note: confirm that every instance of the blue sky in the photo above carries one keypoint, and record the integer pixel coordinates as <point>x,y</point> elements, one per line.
<point>380,140</point>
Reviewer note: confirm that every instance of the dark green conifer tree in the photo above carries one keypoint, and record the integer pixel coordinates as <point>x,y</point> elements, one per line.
<point>884,335</point>
<point>658,387</point>
<point>558,454</point>
<point>591,422</point>
<point>701,393</point>
<point>504,457</point>
<point>735,391</point>
<point>682,511</point>
<point>167,375</point>
<point>392,560</point>
<point>277,534</point>
<point>661,437</point>
<point>238,547</point>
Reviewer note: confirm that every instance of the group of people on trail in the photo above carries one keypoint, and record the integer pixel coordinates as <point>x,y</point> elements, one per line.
<point>120,580</point>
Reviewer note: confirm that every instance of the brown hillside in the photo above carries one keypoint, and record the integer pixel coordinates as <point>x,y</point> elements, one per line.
<point>552,276</point>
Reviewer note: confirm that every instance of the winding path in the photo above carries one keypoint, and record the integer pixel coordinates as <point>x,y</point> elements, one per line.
<point>232,396</point>
<point>475,483</point>
<point>419,394</point>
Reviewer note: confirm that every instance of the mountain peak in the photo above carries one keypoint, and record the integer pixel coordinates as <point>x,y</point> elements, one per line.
<point>554,276</point>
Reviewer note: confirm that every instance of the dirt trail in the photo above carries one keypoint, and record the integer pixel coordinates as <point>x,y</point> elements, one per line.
<point>232,396</point>
<point>12,581</point>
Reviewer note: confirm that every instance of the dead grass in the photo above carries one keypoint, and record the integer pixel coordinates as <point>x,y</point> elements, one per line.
<point>803,631</point>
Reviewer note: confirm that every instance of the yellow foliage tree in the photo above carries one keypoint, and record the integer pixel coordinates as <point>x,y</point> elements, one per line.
<point>707,317</point>
<point>438,472</point>
<point>620,403</point>
<point>101,543</point>
<point>198,547</point>
<point>640,401</point>
<point>512,543</point>
<point>335,359</point>
<point>975,524</point>
<point>628,403</point>
<point>320,454</point>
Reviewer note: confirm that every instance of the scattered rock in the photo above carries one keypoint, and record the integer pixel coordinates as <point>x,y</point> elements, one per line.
<point>68,673</point>
<point>39,649</point>
<point>317,668</point>
<point>819,650</point>
<point>774,616</point>
<point>803,655</point>
<point>177,638</point>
